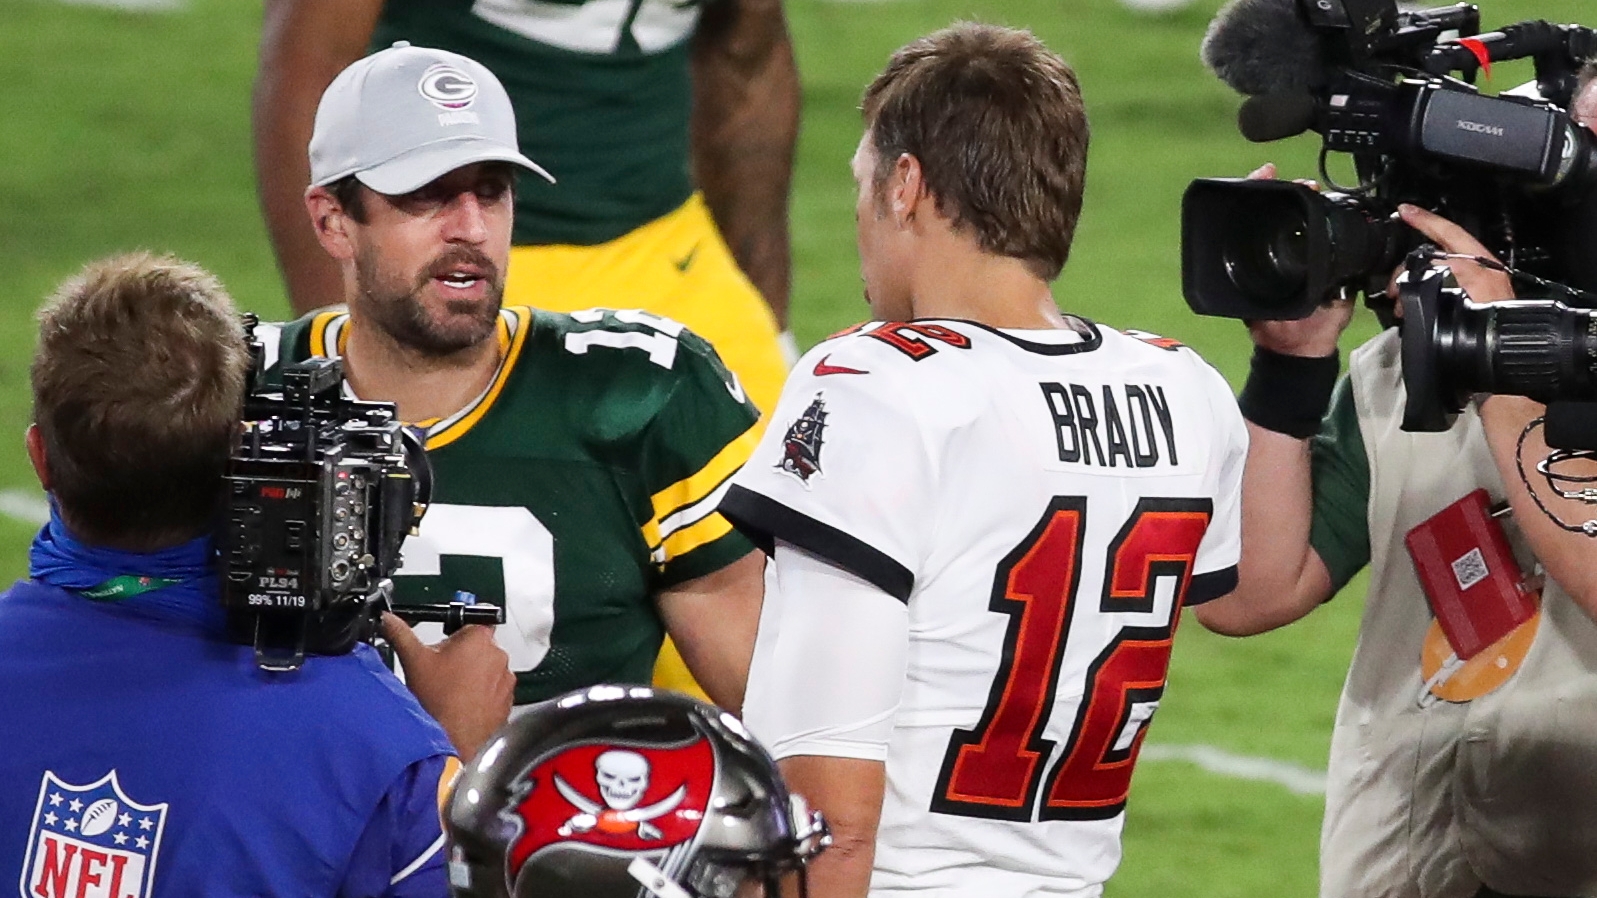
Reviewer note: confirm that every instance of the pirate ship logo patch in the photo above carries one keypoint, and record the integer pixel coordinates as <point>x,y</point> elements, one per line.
<point>618,797</point>
<point>801,446</point>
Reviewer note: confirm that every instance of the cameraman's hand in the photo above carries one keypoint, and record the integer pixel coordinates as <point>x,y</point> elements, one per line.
<point>1483,285</point>
<point>1311,337</point>
<point>464,682</point>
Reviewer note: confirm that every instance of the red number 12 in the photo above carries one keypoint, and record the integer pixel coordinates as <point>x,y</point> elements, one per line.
<point>996,769</point>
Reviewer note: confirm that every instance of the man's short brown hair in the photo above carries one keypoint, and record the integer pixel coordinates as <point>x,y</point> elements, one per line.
<point>138,383</point>
<point>997,122</point>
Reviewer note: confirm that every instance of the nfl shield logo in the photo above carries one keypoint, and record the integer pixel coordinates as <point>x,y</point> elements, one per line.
<point>91,841</point>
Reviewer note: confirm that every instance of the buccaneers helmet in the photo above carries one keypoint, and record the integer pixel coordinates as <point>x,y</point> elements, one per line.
<point>624,792</point>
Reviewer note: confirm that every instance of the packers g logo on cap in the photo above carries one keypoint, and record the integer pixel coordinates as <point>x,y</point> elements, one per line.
<point>447,87</point>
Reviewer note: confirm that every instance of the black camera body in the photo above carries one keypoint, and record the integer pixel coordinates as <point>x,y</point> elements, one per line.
<point>1393,89</point>
<point>322,491</point>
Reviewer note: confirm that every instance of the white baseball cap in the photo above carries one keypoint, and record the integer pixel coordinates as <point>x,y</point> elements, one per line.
<point>406,116</point>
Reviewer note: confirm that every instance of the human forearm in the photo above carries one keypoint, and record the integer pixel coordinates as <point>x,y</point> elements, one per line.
<point>1570,559</point>
<point>745,130</point>
<point>713,619</point>
<point>830,723</point>
<point>304,45</point>
<point>848,792</point>
<point>1280,577</point>
<point>1291,382</point>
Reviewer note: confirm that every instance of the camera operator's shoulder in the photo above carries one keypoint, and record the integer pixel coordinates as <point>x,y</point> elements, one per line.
<point>372,707</point>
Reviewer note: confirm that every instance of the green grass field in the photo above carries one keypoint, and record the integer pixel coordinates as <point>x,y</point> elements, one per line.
<point>125,130</point>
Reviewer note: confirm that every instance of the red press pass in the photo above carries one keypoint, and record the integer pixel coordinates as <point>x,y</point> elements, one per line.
<point>1470,576</point>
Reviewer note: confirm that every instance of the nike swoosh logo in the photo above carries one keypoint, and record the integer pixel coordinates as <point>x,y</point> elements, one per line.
<point>735,387</point>
<point>822,369</point>
<point>687,260</point>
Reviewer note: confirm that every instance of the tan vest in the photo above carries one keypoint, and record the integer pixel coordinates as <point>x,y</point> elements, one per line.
<point>1504,788</point>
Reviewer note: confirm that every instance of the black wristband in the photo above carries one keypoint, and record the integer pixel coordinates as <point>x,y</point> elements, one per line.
<point>1287,393</point>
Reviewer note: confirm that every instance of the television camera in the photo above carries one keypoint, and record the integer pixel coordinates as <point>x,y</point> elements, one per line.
<point>1395,90</point>
<point>321,492</point>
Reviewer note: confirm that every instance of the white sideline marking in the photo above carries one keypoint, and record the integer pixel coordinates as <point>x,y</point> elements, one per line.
<point>1295,778</point>
<point>24,506</point>
<point>130,5</point>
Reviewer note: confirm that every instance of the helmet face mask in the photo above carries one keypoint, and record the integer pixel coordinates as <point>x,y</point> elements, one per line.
<point>620,791</point>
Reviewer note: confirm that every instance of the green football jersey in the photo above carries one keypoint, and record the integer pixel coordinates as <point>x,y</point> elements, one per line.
<point>602,93</point>
<point>578,485</point>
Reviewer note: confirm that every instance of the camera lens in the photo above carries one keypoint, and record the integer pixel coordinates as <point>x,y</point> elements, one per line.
<point>1255,249</point>
<point>1267,257</point>
<point>1277,249</point>
<point>1452,348</point>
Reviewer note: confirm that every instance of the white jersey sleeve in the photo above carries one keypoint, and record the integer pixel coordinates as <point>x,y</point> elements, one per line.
<point>843,473</point>
<point>829,664</point>
<point>1043,504</point>
<point>1215,567</point>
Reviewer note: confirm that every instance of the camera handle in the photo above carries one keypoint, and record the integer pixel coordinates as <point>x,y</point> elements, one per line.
<point>462,610</point>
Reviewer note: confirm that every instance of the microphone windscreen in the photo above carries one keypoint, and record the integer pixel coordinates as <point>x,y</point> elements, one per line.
<point>1276,116</point>
<point>1263,47</point>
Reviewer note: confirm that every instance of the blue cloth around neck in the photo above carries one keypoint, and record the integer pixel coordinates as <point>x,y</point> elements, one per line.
<point>62,560</point>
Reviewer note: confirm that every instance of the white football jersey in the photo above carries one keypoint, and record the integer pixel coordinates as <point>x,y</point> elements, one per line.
<point>1044,503</point>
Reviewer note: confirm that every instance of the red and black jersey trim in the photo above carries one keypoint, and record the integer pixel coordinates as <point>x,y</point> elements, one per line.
<point>1091,338</point>
<point>764,521</point>
<point>1210,586</point>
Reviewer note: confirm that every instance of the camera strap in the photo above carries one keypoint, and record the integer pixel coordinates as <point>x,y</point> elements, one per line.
<point>125,587</point>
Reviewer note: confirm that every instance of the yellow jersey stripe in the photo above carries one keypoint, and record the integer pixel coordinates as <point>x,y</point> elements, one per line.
<point>446,782</point>
<point>693,536</point>
<point>695,487</point>
<point>651,535</point>
<point>319,326</point>
<point>512,351</point>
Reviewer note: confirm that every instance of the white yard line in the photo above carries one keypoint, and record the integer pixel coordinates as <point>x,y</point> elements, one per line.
<point>24,506</point>
<point>131,5</point>
<point>1294,778</point>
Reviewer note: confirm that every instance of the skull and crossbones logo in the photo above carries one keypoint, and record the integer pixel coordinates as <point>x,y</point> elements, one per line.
<point>623,778</point>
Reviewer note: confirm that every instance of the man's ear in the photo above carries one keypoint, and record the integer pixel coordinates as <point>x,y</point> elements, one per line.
<point>334,228</point>
<point>41,467</point>
<point>906,192</point>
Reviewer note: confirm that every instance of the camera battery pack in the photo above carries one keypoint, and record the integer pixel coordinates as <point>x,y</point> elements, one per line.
<point>1474,584</point>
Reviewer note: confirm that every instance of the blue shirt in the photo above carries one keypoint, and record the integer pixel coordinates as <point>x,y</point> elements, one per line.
<point>144,755</point>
